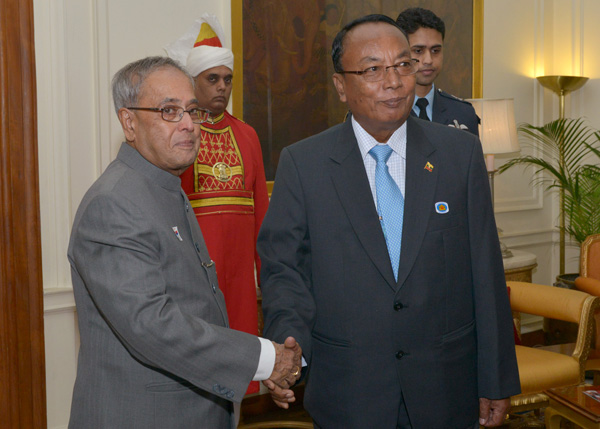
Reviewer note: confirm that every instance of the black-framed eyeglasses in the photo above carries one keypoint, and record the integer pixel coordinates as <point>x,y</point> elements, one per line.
<point>175,113</point>
<point>377,73</point>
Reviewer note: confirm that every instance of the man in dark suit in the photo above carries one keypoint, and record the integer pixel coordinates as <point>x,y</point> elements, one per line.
<point>389,275</point>
<point>156,348</point>
<point>426,32</point>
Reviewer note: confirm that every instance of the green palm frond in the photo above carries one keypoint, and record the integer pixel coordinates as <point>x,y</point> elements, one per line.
<point>582,206</point>
<point>563,145</point>
<point>539,165</point>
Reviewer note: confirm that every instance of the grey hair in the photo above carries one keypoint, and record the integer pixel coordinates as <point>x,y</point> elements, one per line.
<point>127,82</point>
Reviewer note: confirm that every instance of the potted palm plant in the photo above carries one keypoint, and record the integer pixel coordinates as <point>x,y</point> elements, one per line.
<point>564,145</point>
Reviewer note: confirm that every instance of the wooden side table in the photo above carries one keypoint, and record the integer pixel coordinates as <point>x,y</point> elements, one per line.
<point>572,404</point>
<point>519,267</point>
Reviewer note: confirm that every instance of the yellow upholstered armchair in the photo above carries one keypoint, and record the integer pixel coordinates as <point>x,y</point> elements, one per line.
<point>589,263</point>
<point>541,369</point>
<point>589,281</point>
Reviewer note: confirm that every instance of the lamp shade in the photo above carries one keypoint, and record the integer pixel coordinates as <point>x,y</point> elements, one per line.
<point>497,131</point>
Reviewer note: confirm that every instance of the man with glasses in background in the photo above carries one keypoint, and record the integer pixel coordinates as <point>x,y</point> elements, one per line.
<point>156,349</point>
<point>426,32</point>
<point>380,256</point>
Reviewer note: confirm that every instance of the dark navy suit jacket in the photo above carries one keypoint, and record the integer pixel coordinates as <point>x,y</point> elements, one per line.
<point>450,110</point>
<point>438,338</point>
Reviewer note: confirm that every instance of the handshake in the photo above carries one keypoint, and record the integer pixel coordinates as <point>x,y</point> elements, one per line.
<point>288,366</point>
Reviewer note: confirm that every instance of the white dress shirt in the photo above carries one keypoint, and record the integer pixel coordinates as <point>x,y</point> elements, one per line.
<point>266,361</point>
<point>397,161</point>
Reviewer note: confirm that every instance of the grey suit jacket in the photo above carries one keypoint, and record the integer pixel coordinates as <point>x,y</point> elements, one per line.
<point>438,338</point>
<point>156,351</point>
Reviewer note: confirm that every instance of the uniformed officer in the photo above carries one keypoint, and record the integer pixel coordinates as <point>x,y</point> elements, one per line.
<point>426,33</point>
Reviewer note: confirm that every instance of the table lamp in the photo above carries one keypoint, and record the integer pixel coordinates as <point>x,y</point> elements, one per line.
<point>498,134</point>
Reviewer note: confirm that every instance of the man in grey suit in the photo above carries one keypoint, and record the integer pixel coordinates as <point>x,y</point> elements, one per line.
<point>388,272</point>
<point>426,32</point>
<point>156,350</point>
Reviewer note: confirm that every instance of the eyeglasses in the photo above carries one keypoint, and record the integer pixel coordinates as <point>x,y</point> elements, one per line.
<point>377,73</point>
<point>175,113</point>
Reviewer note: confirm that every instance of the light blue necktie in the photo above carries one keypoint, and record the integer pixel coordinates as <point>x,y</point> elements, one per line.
<point>390,204</point>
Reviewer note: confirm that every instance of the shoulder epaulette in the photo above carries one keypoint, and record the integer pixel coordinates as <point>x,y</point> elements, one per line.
<point>452,97</point>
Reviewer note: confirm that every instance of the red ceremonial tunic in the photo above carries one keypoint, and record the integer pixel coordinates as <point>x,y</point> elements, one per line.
<point>228,191</point>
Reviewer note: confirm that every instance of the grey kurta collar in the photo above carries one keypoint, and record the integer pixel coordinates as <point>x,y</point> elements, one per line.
<point>132,158</point>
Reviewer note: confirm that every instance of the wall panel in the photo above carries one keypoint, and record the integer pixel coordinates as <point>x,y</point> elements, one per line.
<point>22,378</point>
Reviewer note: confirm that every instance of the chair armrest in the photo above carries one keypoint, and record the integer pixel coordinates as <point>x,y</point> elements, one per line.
<point>588,285</point>
<point>547,301</point>
<point>592,286</point>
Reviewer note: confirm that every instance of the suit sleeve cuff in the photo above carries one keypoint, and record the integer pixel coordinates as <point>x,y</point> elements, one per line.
<point>266,361</point>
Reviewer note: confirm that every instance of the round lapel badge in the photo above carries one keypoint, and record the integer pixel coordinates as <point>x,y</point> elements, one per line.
<point>222,172</point>
<point>441,207</point>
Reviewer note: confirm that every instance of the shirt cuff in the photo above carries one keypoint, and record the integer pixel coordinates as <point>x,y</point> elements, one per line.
<point>266,361</point>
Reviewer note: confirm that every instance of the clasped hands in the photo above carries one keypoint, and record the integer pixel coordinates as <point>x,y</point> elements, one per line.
<point>288,366</point>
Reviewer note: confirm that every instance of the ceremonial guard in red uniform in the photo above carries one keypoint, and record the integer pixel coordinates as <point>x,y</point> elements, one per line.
<point>226,185</point>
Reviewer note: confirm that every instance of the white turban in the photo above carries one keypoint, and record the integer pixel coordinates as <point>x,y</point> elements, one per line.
<point>203,56</point>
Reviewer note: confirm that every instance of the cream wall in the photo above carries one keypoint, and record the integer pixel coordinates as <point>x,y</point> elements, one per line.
<point>512,44</point>
<point>523,40</point>
<point>81,43</point>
